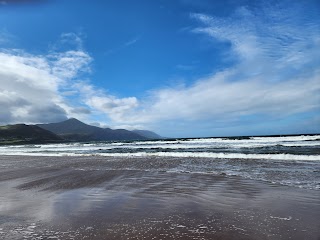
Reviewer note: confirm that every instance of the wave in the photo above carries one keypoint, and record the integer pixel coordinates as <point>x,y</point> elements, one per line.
<point>191,143</point>
<point>218,155</point>
<point>274,148</point>
<point>288,138</point>
<point>240,156</point>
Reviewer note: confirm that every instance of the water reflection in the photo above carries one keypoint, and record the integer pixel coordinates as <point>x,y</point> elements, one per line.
<point>74,203</point>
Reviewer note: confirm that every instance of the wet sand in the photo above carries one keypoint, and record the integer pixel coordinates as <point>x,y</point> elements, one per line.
<point>135,198</point>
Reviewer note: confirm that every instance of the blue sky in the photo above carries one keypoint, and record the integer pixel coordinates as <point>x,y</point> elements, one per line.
<point>181,68</point>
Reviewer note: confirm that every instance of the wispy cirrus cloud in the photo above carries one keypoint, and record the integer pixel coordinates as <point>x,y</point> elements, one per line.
<point>265,35</point>
<point>132,41</point>
<point>6,37</point>
<point>123,46</point>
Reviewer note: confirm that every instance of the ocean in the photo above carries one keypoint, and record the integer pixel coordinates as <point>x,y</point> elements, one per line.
<point>286,160</point>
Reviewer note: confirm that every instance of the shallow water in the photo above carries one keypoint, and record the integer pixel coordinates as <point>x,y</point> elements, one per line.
<point>125,198</point>
<point>289,160</point>
<point>299,174</point>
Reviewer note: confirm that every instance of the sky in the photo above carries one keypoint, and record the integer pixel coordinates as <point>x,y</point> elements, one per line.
<point>181,68</point>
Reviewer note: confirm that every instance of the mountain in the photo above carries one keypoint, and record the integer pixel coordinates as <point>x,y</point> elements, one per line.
<point>148,134</point>
<point>70,126</point>
<point>24,134</point>
<point>75,130</point>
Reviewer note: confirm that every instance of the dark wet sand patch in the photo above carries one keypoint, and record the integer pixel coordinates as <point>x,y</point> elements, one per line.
<point>99,198</point>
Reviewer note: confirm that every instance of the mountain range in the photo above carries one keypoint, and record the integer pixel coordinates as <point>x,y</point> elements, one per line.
<point>71,130</point>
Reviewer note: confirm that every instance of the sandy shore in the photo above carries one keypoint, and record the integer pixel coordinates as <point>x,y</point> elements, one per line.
<point>125,198</point>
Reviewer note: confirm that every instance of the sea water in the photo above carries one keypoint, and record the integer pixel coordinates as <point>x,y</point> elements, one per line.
<point>287,160</point>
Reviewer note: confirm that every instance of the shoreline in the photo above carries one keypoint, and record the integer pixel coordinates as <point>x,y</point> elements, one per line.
<point>70,198</point>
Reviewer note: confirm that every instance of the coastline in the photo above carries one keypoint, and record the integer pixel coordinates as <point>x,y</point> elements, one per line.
<point>72,198</point>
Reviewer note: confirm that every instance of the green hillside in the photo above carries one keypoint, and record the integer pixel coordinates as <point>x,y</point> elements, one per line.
<point>26,134</point>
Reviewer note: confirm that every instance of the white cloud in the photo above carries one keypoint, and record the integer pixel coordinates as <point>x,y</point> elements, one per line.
<point>112,105</point>
<point>68,64</point>
<point>31,86</point>
<point>115,108</point>
<point>217,98</point>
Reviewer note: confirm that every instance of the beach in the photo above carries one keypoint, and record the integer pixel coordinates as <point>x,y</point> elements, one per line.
<point>96,197</point>
<point>160,120</point>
